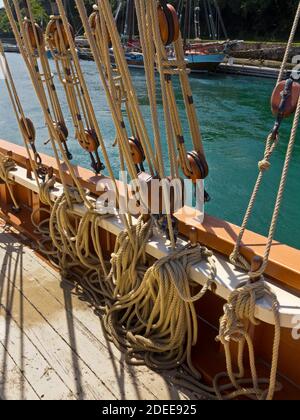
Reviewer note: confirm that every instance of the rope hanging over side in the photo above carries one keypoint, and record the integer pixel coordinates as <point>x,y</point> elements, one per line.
<point>128,261</point>
<point>156,324</point>
<point>288,95</point>
<point>7,164</point>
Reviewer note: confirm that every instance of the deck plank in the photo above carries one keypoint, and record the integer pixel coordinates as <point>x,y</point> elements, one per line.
<point>90,325</point>
<point>32,366</point>
<point>13,384</point>
<point>71,322</point>
<point>61,358</point>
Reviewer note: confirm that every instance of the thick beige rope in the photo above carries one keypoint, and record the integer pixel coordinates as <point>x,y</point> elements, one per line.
<point>239,315</point>
<point>7,164</point>
<point>152,13</point>
<point>236,257</point>
<point>149,65</point>
<point>105,7</point>
<point>19,112</point>
<point>156,323</point>
<point>47,75</point>
<point>235,327</point>
<point>114,106</point>
<point>128,262</point>
<point>25,49</point>
<point>264,165</point>
<point>289,44</point>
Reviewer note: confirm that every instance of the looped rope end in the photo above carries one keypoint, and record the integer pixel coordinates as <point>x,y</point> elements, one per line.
<point>264,165</point>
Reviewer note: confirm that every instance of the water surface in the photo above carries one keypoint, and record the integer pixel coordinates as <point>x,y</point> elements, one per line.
<point>235,119</point>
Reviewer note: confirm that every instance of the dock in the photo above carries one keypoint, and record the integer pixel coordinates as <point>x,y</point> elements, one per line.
<point>52,345</point>
<point>248,70</point>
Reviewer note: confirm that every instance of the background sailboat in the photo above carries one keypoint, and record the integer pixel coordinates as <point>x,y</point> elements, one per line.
<point>203,30</point>
<point>204,33</point>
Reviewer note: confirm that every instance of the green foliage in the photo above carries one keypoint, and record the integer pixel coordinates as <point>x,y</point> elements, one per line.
<point>258,19</point>
<point>39,13</point>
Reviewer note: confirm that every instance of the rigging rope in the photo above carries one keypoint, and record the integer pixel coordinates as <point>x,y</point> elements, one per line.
<point>148,311</point>
<point>59,37</point>
<point>241,305</point>
<point>155,323</point>
<point>239,314</point>
<point>272,141</point>
<point>7,164</point>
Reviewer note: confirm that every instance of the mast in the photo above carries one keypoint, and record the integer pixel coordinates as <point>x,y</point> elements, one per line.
<point>129,20</point>
<point>197,13</point>
<point>211,20</point>
<point>221,19</point>
<point>205,3</point>
<point>187,20</point>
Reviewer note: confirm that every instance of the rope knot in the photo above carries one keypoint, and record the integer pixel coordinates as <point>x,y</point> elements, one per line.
<point>239,310</point>
<point>75,195</point>
<point>264,165</point>
<point>7,164</point>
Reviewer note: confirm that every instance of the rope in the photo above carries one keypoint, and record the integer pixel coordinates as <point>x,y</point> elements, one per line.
<point>36,162</point>
<point>236,257</point>
<point>115,109</point>
<point>45,190</point>
<point>128,261</point>
<point>148,311</point>
<point>55,135</point>
<point>156,323</point>
<point>235,327</point>
<point>105,7</point>
<point>241,305</point>
<point>7,164</point>
<point>149,65</point>
<point>152,12</point>
<point>289,44</point>
<point>239,314</point>
<point>272,141</point>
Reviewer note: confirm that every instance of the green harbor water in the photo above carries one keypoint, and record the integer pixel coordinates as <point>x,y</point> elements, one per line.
<point>235,118</point>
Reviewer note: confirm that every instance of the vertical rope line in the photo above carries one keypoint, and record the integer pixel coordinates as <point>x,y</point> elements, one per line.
<point>289,44</point>
<point>17,107</point>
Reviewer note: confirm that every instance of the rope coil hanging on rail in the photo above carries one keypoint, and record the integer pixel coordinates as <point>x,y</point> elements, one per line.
<point>156,323</point>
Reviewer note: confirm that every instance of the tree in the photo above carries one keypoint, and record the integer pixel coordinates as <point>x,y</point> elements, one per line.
<point>39,13</point>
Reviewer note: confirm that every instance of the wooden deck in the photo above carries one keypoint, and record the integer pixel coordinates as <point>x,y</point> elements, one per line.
<point>51,343</point>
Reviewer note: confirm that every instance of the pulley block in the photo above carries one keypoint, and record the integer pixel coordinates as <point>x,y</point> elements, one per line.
<point>199,167</point>
<point>88,140</point>
<point>285,98</point>
<point>137,152</point>
<point>63,134</point>
<point>62,131</point>
<point>95,23</point>
<point>34,33</point>
<point>28,130</point>
<point>57,36</point>
<point>168,23</point>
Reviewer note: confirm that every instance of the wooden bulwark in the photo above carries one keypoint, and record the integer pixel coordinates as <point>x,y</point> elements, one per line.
<point>283,267</point>
<point>216,234</point>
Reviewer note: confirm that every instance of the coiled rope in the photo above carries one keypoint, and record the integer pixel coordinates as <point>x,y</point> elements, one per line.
<point>239,314</point>
<point>128,262</point>
<point>240,310</point>
<point>156,323</point>
<point>149,310</point>
<point>7,164</point>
